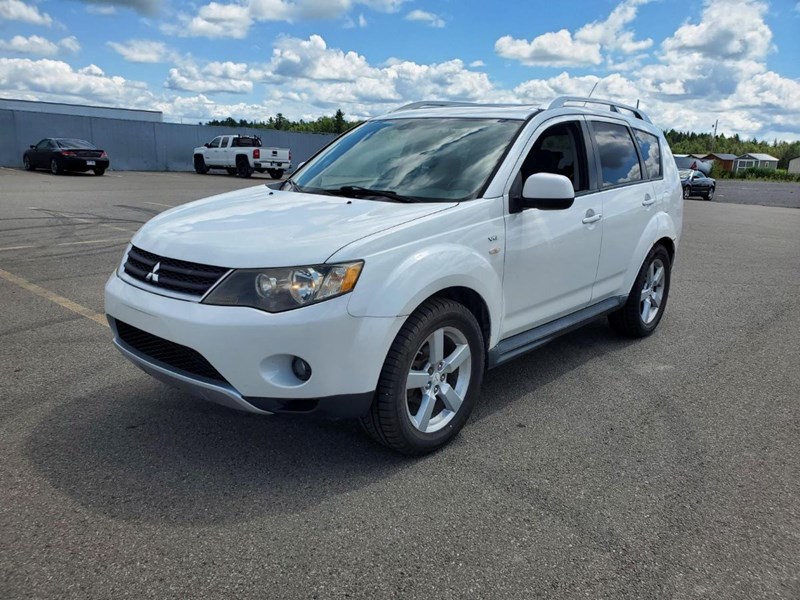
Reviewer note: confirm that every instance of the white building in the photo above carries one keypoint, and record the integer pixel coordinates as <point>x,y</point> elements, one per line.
<point>82,110</point>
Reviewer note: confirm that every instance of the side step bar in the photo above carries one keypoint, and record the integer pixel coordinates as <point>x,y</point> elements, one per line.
<point>516,345</point>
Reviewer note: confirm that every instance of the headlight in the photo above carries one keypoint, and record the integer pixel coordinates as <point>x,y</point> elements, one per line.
<point>277,290</point>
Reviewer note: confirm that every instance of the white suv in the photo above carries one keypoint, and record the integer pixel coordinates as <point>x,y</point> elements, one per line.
<point>403,260</point>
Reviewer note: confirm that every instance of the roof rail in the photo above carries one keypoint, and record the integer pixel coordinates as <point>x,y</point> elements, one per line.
<point>560,101</point>
<point>442,103</point>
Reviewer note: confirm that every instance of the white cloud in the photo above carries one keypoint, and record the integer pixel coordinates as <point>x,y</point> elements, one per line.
<point>234,19</point>
<point>553,49</point>
<point>55,80</point>
<point>430,19</point>
<point>29,45</point>
<point>477,63</point>
<point>39,46</point>
<point>18,10</point>
<point>216,77</point>
<point>143,51</point>
<point>584,48</point>
<point>70,44</point>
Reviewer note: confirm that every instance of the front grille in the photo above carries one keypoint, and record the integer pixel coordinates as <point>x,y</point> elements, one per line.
<point>177,275</point>
<point>177,356</point>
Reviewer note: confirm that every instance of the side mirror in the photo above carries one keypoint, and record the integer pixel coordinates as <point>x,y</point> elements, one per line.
<point>546,191</point>
<point>33,146</point>
<point>207,145</point>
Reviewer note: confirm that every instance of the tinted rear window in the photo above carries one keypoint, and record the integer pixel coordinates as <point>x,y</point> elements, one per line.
<point>246,142</point>
<point>74,143</point>
<point>618,158</point>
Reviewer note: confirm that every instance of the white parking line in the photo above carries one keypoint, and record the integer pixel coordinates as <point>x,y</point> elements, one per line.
<point>159,204</point>
<point>16,248</point>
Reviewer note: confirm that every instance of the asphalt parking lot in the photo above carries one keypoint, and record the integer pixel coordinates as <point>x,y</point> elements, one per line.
<point>594,467</point>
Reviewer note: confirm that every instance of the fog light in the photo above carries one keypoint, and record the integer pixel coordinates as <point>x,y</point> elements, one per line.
<point>301,369</point>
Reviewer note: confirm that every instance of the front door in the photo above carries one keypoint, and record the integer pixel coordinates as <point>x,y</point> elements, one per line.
<point>551,255</point>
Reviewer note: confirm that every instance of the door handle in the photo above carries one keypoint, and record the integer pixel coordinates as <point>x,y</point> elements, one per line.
<point>591,217</point>
<point>648,200</point>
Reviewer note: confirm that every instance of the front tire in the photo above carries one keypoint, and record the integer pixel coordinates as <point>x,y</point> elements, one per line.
<point>200,166</point>
<point>687,192</point>
<point>430,380</point>
<point>642,312</point>
<point>231,171</point>
<point>709,195</point>
<point>55,168</point>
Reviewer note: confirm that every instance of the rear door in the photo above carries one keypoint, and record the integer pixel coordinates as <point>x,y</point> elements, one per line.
<point>628,202</point>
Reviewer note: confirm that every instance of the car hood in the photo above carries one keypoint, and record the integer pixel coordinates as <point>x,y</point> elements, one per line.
<point>259,227</point>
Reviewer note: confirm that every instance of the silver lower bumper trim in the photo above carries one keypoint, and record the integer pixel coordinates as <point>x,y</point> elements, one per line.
<point>219,394</point>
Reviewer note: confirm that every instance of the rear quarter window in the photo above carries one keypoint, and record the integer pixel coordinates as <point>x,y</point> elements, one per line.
<point>651,153</point>
<point>619,160</point>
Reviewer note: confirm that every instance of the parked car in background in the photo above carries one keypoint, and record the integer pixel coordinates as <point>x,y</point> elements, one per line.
<point>65,154</point>
<point>241,155</point>
<point>695,183</point>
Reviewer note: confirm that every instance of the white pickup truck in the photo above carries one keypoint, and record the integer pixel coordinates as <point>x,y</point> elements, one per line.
<point>241,155</point>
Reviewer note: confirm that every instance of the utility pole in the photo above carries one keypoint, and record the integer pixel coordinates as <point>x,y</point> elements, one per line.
<point>714,139</point>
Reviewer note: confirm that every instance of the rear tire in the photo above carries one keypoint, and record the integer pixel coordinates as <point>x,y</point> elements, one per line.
<point>99,172</point>
<point>55,168</point>
<point>200,166</point>
<point>430,380</point>
<point>642,312</point>
<point>243,168</point>
<point>26,162</point>
<point>275,173</point>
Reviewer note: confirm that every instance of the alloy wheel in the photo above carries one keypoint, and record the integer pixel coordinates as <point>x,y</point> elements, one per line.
<point>652,292</point>
<point>438,380</point>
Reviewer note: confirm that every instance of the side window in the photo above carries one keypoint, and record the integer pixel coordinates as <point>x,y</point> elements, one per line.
<point>214,143</point>
<point>224,143</point>
<point>651,153</point>
<point>44,144</point>
<point>618,158</point>
<point>559,150</point>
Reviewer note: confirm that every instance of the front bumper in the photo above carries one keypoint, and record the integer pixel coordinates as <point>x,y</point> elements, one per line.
<point>252,351</point>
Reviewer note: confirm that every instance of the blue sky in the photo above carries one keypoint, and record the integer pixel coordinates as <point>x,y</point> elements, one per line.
<point>688,63</point>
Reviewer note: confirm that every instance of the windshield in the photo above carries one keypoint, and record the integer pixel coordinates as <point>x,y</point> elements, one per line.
<point>685,173</point>
<point>73,143</point>
<point>421,159</point>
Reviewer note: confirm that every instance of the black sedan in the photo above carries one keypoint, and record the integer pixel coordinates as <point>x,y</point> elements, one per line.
<point>695,183</point>
<point>65,154</point>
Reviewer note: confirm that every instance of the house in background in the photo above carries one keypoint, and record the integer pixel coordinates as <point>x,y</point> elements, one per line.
<point>754,160</point>
<point>794,166</point>
<point>723,160</point>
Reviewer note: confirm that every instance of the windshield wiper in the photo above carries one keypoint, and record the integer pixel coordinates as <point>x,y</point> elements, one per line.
<point>354,191</point>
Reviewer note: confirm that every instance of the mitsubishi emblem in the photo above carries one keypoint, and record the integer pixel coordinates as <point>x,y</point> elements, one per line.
<point>153,275</point>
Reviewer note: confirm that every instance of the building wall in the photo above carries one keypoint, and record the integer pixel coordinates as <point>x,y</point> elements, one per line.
<point>136,145</point>
<point>749,163</point>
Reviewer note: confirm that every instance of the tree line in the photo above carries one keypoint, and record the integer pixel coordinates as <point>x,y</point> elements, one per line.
<point>689,142</point>
<point>337,123</point>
